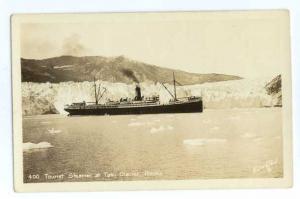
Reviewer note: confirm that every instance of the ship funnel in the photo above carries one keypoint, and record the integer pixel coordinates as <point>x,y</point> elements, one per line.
<point>138,94</point>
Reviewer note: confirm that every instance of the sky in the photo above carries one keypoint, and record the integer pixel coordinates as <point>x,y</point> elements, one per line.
<point>248,44</point>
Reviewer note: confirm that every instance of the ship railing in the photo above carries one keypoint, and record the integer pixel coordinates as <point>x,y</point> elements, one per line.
<point>188,98</point>
<point>185,99</point>
<point>90,103</point>
<point>94,106</point>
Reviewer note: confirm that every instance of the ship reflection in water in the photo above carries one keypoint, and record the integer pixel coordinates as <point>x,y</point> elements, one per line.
<point>139,105</point>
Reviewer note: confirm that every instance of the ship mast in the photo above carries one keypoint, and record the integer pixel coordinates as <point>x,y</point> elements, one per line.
<point>174,83</point>
<point>98,93</point>
<point>174,95</point>
<point>168,90</point>
<point>95,88</point>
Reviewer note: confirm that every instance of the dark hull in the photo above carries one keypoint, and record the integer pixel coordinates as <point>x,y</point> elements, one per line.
<point>186,107</point>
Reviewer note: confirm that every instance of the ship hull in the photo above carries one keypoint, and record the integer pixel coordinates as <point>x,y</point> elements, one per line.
<point>185,107</point>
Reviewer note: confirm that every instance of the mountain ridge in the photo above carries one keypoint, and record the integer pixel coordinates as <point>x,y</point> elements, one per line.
<point>112,69</point>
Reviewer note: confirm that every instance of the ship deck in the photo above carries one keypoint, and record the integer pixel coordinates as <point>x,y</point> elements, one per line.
<point>134,104</point>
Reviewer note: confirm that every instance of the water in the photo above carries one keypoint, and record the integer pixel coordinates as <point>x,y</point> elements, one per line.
<point>215,144</point>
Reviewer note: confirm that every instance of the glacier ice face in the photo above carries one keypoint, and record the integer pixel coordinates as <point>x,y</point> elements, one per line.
<point>45,98</point>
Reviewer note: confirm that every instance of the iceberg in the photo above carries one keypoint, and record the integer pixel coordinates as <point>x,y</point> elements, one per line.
<point>28,146</point>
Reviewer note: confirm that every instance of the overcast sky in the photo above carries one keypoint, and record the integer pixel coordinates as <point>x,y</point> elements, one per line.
<point>248,45</point>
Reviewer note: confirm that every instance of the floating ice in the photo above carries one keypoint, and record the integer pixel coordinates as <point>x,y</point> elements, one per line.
<point>234,117</point>
<point>161,129</point>
<point>45,122</point>
<point>136,124</point>
<point>155,130</point>
<point>258,139</point>
<point>277,137</point>
<point>62,67</point>
<point>30,146</point>
<point>53,131</point>
<point>200,142</point>
<point>170,127</point>
<point>206,121</point>
<point>248,135</point>
<point>215,128</point>
<point>156,120</point>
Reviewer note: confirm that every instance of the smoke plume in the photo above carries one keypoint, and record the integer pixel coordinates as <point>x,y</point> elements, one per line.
<point>72,46</point>
<point>130,74</point>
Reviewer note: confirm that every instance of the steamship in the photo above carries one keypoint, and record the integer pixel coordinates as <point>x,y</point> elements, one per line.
<point>138,105</point>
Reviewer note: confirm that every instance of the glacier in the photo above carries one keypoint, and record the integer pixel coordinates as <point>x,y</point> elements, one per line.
<point>47,98</point>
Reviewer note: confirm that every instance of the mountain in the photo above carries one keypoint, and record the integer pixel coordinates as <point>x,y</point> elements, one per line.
<point>110,69</point>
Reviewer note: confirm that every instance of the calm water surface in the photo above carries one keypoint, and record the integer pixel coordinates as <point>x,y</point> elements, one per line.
<point>233,143</point>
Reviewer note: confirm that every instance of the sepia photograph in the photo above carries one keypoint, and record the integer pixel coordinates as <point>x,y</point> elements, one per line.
<point>153,100</point>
